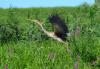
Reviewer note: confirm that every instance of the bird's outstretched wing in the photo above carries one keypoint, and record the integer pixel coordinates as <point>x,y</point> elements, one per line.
<point>60,28</point>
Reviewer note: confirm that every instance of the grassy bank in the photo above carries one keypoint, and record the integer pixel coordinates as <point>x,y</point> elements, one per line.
<point>24,46</point>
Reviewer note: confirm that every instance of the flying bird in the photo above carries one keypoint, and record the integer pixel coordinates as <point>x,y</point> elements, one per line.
<point>60,28</point>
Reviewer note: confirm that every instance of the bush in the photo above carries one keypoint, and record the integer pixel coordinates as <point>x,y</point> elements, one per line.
<point>10,29</point>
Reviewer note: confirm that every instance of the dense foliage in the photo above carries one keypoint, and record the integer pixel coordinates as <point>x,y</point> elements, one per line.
<point>25,46</point>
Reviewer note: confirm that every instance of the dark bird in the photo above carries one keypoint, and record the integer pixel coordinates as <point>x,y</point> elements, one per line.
<point>60,28</point>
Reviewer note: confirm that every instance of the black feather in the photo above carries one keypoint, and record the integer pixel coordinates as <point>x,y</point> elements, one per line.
<point>60,28</point>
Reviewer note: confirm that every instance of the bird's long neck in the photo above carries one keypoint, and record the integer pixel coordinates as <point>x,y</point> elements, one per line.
<point>42,28</point>
<point>40,24</point>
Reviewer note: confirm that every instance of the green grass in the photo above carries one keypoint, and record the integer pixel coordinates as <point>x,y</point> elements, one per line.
<point>24,46</point>
<point>35,55</point>
<point>38,55</point>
